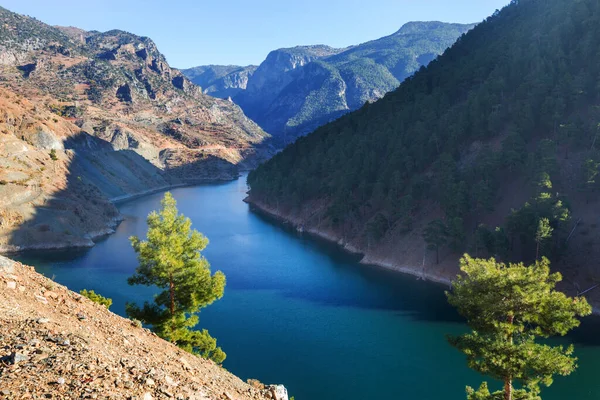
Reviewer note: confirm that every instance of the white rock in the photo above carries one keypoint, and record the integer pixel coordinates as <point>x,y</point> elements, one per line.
<point>7,265</point>
<point>41,299</point>
<point>11,285</point>
<point>279,392</point>
<point>170,381</point>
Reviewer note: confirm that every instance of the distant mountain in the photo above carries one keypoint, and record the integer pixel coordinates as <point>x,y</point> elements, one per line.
<point>296,90</point>
<point>222,81</point>
<point>118,120</point>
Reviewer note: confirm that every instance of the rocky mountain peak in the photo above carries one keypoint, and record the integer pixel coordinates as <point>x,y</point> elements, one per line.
<point>110,106</point>
<point>298,89</point>
<point>287,59</point>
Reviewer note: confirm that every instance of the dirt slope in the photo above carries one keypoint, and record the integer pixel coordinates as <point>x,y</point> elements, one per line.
<point>55,343</point>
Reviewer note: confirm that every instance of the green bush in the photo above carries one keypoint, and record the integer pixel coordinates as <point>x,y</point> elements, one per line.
<point>96,298</point>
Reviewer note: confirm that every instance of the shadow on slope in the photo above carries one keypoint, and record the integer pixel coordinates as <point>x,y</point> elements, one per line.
<point>76,205</point>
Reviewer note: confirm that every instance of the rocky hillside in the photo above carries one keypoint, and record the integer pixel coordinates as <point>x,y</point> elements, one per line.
<point>491,149</point>
<point>55,343</point>
<point>296,90</point>
<point>86,117</point>
<point>222,81</point>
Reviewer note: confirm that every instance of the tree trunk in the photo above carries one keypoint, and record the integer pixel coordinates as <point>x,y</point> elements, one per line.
<point>172,306</point>
<point>508,389</point>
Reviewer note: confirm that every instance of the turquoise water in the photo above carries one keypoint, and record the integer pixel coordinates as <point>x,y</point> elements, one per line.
<point>301,313</point>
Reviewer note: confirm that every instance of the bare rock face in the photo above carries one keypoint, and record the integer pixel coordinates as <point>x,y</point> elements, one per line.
<point>224,82</point>
<point>279,392</point>
<point>93,115</point>
<point>7,265</point>
<point>122,139</point>
<point>179,82</point>
<point>46,140</point>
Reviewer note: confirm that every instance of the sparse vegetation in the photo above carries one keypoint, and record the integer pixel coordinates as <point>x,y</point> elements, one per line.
<point>96,298</point>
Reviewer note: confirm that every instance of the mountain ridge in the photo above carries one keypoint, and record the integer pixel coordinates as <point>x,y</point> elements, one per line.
<point>282,97</point>
<point>90,116</point>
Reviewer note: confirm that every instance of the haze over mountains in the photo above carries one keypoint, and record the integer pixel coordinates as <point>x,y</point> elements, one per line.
<point>296,90</point>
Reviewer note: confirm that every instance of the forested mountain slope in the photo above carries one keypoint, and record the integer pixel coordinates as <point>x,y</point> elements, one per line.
<point>298,89</point>
<point>491,149</point>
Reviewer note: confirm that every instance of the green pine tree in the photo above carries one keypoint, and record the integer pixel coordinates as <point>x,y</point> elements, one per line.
<point>170,259</point>
<point>508,307</point>
<point>544,232</point>
<point>436,236</point>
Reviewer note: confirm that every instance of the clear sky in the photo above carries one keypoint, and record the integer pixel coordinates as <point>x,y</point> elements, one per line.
<point>241,32</point>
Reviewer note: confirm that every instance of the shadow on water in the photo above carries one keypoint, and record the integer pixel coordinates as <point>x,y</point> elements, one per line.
<point>400,293</point>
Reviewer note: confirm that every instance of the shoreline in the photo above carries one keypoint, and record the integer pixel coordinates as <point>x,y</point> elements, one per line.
<point>127,197</point>
<point>88,240</point>
<point>365,259</point>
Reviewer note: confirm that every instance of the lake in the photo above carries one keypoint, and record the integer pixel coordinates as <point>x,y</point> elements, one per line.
<point>299,312</point>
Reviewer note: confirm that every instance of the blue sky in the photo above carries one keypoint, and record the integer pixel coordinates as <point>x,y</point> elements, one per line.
<point>241,32</point>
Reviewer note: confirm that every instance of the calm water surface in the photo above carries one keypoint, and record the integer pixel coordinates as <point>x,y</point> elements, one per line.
<point>301,313</point>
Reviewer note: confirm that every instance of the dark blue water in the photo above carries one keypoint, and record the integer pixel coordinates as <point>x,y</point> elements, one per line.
<point>301,313</point>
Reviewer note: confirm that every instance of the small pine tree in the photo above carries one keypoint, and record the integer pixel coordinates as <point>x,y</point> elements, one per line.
<point>544,232</point>
<point>436,236</point>
<point>53,155</point>
<point>170,259</point>
<point>96,298</point>
<point>508,307</point>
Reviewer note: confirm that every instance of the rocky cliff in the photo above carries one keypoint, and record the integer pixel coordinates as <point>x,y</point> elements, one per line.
<point>296,90</point>
<point>55,343</point>
<point>222,81</point>
<point>87,117</point>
